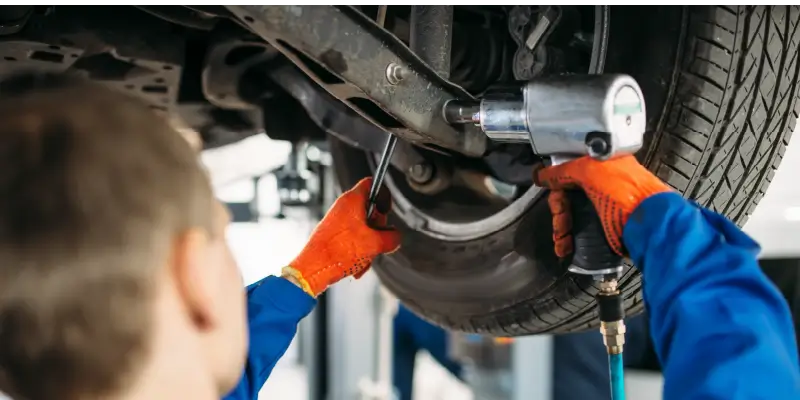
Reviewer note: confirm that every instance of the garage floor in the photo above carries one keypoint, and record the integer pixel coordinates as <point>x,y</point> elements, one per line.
<point>432,382</point>
<point>288,381</point>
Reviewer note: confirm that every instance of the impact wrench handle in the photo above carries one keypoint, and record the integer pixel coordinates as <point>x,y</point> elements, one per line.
<point>591,253</point>
<point>593,256</point>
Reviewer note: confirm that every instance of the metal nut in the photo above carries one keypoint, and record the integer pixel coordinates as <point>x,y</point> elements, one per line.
<point>612,328</point>
<point>395,73</point>
<point>613,336</point>
<point>420,173</point>
<point>428,178</point>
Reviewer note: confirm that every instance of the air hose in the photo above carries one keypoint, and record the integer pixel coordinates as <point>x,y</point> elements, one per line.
<point>617,372</point>
<point>612,326</point>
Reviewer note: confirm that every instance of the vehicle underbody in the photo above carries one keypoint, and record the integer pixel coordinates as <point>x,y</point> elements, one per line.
<point>720,86</point>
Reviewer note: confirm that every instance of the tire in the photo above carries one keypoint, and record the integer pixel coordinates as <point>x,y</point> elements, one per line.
<point>721,90</point>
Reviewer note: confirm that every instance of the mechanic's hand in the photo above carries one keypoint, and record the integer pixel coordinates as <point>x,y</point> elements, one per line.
<point>344,244</point>
<point>615,187</point>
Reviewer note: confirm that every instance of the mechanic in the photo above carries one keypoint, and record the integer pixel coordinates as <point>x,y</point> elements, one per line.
<point>116,281</point>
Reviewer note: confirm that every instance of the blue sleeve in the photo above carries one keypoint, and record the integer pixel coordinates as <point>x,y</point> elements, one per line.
<point>274,308</point>
<point>721,329</point>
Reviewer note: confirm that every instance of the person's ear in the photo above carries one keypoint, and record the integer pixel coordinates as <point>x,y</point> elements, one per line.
<point>193,278</point>
<point>191,135</point>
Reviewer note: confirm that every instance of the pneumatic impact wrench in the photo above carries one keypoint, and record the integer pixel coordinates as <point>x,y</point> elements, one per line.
<point>564,118</point>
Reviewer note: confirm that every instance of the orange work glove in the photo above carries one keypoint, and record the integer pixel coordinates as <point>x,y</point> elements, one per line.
<point>343,244</point>
<point>615,187</point>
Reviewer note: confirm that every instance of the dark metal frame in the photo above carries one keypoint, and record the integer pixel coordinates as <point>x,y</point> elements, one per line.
<point>358,52</point>
<point>335,118</point>
<point>338,119</point>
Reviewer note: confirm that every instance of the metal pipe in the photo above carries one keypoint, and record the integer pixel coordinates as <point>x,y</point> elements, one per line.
<point>388,305</point>
<point>505,120</point>
<point>381,18</point>
<point>380,173</point>
<point>459,112</point>
<point>431,36</point>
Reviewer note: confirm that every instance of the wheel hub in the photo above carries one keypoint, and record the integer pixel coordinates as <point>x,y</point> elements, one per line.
<point>500,196</point>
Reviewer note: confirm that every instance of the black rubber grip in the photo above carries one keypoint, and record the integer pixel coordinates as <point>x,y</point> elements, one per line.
<point>591,250</point>
<point>610,307</point>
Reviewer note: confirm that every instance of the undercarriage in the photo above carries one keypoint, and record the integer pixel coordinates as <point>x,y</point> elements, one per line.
<point>719,83</point>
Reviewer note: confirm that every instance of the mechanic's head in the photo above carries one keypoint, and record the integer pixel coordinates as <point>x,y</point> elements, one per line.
<point>115,276</point>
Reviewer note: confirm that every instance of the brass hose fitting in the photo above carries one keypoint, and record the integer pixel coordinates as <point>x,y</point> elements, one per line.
<point>612,314</point>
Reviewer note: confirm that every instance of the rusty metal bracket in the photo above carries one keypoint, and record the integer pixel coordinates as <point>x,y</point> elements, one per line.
<point>333,117</point>
<point>356,55</point>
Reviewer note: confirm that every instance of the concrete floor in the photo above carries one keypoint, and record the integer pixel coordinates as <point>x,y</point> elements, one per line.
<point>289,381</point>
<point>432,382</point>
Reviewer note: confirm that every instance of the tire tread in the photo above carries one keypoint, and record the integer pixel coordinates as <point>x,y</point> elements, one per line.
<point>736,107</point>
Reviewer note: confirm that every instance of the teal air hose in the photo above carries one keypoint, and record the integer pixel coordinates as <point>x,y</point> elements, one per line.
<point>612,326</point>
<point>617,372</point>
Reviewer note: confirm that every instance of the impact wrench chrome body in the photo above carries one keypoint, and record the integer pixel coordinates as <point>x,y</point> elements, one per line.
<point>564,118</point>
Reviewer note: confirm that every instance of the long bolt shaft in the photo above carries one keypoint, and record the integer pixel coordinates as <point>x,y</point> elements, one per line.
<point>380,173</point>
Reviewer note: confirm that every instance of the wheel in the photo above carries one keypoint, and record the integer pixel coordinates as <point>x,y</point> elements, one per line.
<point>721,90</point>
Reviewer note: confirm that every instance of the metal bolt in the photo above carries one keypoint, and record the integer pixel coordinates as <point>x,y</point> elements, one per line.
<point>608,286</point>
<point>420,173</point>
<point>597,147</point>
<point>459,112</point>
<point>395,73</point>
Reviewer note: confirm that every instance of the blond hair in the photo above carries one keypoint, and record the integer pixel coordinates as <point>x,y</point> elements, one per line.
<point>93,187</point>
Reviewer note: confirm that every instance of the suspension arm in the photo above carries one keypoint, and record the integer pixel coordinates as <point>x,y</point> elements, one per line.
<point>362,63</point>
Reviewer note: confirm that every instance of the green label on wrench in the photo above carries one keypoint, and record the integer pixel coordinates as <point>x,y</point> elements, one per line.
<point>625,109</point>
<point>627,101</point>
